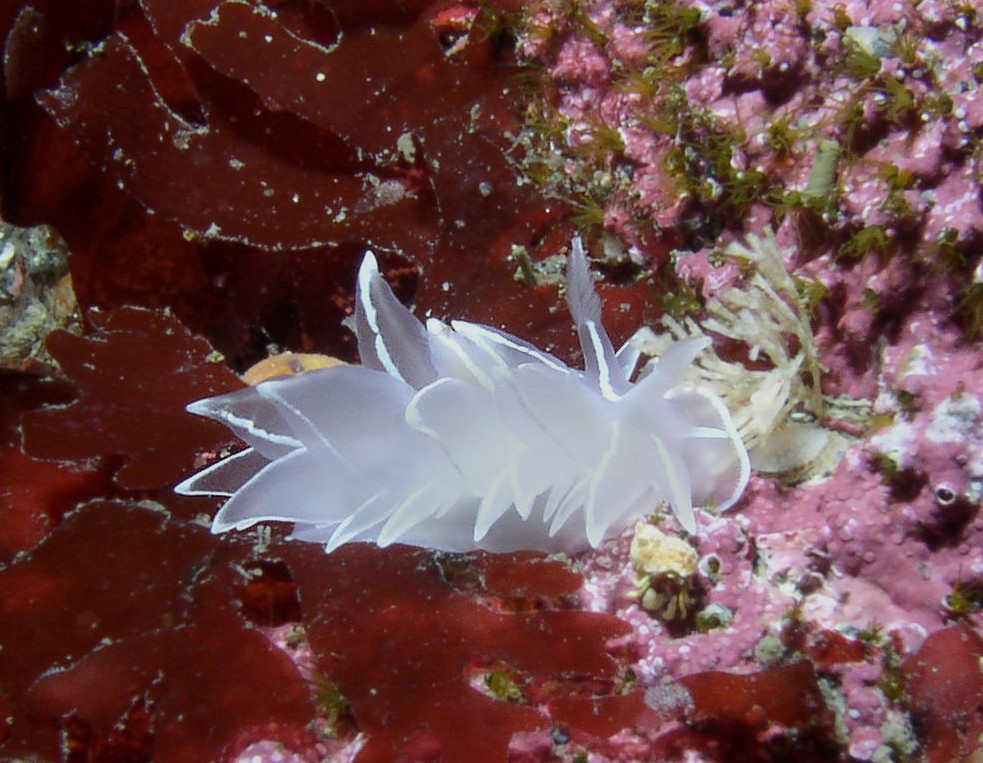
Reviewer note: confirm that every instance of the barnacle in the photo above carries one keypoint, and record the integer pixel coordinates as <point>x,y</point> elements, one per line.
<point>713,617</point>
<point>667,566</point>
<point>460,436</point>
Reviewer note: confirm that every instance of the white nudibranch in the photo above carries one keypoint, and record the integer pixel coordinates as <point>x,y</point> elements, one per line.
<point>463,437</point>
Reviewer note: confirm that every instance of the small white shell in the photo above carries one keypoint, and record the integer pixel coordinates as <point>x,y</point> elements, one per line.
<point>463,437</point>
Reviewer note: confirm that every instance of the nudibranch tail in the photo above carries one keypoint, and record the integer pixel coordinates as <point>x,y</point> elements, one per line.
<point>462,436</point>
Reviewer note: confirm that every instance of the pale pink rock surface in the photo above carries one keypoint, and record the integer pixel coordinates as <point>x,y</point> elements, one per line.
<point>873,551</point>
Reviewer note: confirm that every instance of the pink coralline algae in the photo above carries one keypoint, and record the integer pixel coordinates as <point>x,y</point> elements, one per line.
<point>853,131</point>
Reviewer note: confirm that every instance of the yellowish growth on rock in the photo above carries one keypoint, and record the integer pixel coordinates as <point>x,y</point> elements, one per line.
<point>771,400</point>
<point>287,364</point>
<point>769,316</point>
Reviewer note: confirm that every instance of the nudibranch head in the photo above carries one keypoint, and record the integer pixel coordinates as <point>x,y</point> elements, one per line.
<point>461,437</point>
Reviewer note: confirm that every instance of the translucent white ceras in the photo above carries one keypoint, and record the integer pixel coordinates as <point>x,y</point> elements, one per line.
<point>463,437</point>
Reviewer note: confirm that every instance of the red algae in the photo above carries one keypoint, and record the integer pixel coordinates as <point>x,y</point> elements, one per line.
<point>513,575</point>
<point>944,682</point>
<point>788,696</point>
<point>117,661</point>
<point>109,658</point>
<point>197,714</point>
<point>250,129</point>
<point>134,379</point>
<point>159,151</point>
<point>58,602</point>
<point>35,494</point>
<point>399,644</point>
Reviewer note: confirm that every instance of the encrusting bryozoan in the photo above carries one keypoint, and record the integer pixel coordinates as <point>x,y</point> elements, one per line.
<point>461,437</point>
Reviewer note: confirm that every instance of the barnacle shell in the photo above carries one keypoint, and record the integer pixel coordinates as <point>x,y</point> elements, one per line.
<point>655,553</point>
<point>799,452</point>
<point>462,437</point>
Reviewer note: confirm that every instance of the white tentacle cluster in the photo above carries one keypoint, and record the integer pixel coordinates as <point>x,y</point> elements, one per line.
<point>461,437</point>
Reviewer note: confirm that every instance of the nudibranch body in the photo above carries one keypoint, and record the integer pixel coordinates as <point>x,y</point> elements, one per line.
<point>461,437</point>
